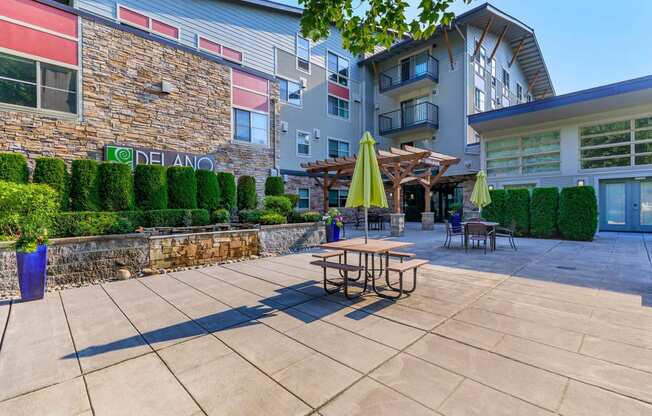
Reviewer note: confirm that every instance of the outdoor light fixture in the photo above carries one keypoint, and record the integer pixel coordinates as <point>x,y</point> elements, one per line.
<point>580,182</point>
<point>491,187</point>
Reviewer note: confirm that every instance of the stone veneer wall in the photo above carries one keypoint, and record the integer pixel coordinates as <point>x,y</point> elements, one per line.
<point>119,71</point>
<point>285,238</point>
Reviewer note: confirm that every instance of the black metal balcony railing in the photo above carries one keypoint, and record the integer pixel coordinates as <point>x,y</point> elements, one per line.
<point>412,69</point>
<point>418,115</point>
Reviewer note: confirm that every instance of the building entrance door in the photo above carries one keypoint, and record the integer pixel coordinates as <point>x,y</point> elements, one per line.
<point>626,205</point>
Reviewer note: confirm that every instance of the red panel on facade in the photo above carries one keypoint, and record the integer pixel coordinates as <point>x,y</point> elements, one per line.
<point>231,54</point>
<point>133,17</point>
<point>249,81</point>
<point>33,42</point>
<point>165,29</point>
<point>250,100</point>
<point>39,14</point>
<point>338,91</point>
<point>210,46</point>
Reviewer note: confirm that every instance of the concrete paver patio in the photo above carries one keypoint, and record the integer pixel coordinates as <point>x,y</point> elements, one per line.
<point>555,328</point>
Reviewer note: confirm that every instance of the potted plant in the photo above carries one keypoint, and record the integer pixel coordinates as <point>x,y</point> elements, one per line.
<point>334,223</point>
<point>32,260</point>
<point>455,211</point>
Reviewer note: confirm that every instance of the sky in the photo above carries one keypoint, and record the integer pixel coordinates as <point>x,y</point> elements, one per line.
<point>585,43</point>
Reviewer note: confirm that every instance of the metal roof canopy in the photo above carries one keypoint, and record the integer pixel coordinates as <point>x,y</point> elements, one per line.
<point>399,165</point>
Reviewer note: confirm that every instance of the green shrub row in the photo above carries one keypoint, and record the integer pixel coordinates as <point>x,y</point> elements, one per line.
<point>578,213</point>
<point>543,211</point>
<point>247,198</point>
<point>151,187</point>
<point>52,171</point>
<point>13,168</point>
<point>226,183</point>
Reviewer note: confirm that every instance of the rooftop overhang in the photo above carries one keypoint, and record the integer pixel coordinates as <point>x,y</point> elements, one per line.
<point>631,93</point>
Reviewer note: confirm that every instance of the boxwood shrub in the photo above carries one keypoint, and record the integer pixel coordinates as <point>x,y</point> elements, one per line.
<point>272,218</point>
<point>176,217</point>
<point>304,216</point>
<point>227,190</point>
<point>116,186</point>
<point>151,187</point>
<point>182,187</point>
<point>279,204</point>
<point>518,201</point>
<point>13,168</point>
<point>543,212</point>
<point>498,211</point>
<point>247,192</point>
<point>84,194</point>
<point>250,216</point>
<point>274,185</point>
<point>208,190</point>
<point>220,216</point>
<point>578,213</point>
<point>52,171</point>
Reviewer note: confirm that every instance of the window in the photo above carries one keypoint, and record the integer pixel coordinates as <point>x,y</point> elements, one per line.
<point>338,69</point>
<point>337,198</point>
<point>505,82</point>
<point>249,126</point>
<point>290,92</point>
<point>338,148</point>
<point>338,107</point>
<point>480,61</point>
<point>303,143</point>
<point>620,143</point>
<point>514,156</point>
<point>479,100</point>
<point>28,83</point>
<point>519,92</point>
<point>303,54</point>
<point>304,198</point>
<point>473,139</point>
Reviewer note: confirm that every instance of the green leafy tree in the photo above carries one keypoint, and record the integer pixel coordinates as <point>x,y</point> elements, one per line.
<point>366,24</point>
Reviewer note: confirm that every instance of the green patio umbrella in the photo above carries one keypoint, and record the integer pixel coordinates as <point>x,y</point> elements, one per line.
<point>480,196</point>
<point>367,188</point>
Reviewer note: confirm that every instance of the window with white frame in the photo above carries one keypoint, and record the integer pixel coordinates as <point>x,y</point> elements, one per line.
<point>338,69</point>
<point>304,198</point>
<point>29,83</point>
<point>338,148</point>
<point>338,107</point>
<point>505,80</point>
<point>473,139</point>
<point>303,143</point>
<point>616,144</point>
<point>250,126</point>
<point>337,198</point>
<point>479,100</point>
<point>290,92</point>
<point>524,155</point>
<point>480,61</point>
<point>303,53</point>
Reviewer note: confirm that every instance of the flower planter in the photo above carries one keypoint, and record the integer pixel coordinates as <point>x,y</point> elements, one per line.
<point>332,232</point>
<point>32,273</point>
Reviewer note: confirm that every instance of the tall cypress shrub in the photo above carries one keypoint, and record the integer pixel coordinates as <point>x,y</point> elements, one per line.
<point>13,168</point>
<point>208,190</point>
<point>228,190</point>
<point>151,187</point>
<point>543,212</point>
<point>84,184</point>
<point>578,213</point>
<point>518,201</point>
<point>497,211</point>
<point>52,171</point>
<point>274,186</point>
<point>116,186</point>
<point>247,193</point>
<point>182,187</point>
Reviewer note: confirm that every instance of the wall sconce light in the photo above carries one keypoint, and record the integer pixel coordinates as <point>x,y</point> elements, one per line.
<point>580,182</point>
<point>491,187</point>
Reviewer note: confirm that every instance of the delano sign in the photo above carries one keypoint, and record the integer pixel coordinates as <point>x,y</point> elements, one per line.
<point>137,156</point>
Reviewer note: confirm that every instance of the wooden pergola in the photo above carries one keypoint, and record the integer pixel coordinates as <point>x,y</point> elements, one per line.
<point>400,166</point>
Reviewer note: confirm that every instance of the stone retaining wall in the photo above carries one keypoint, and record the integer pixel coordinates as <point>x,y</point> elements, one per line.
<point>289,237</point>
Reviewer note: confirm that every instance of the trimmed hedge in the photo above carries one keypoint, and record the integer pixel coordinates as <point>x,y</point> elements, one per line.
<point>116,186</point>
<point>151,187</point>
<point>497,211</point>
<point>208,190</point>
<point>294,199</point>
<point>518,201</point>
<point>176,217</point>
<point>247,192</point>
<point>578,213</point>
<point>279,204</point>
<point>182,187</point>
<point>274,186</point>
<point>13,168</point>
<point>220,216</point>
<point>228,190</point>
<point>305,216</point>
<point>52,171</point>
<point>272,218</point>
<point>543,212</point>
<point>250,216</point>
<point>84,184</point>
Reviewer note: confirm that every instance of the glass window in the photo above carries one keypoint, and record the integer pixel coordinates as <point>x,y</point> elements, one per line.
<point>290,92</point>
<point>479,99</point>
<point>519,92</point>
<point>505,82</point>
<point>513,156</point>
<point>337,198</point>
<point>338,69</point>
<point>250,127</point>
<point>59,88</point>
<point>242,125</point>
<point>616,144</point>
<point>304,198</point>
<point>303,54</point>
<point>258,128</point>
<point>338,107</point>
<point>338,148</point>
<point>303,143</point>
<point>480,61</point>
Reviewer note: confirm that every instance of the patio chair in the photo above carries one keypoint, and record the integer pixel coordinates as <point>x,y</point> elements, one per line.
<point>452,231</point>
<point>477,232</point>
<point>507,232</point>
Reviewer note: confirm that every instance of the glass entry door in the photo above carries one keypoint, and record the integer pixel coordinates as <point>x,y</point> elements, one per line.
<point>626,205</point>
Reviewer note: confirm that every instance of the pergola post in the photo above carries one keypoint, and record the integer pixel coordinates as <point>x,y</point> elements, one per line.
<point>427,216</point>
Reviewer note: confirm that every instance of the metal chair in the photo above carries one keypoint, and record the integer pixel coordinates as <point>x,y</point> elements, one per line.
<point>452,231</point>
<point>477,232</point>
<point>507,232</point>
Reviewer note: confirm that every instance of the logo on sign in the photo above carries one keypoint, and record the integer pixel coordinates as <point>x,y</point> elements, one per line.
<point>120,154</point>
<point>137,156</point>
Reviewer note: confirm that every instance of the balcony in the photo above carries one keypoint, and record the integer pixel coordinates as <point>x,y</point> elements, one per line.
<point>412,73</point>
<point>418,117</point>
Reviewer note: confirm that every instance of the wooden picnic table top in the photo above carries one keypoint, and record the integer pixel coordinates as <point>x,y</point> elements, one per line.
<point>372,246</point>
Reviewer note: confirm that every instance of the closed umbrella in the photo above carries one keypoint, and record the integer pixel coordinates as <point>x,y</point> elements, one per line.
<point>367,188</point>
<point>480,196</point>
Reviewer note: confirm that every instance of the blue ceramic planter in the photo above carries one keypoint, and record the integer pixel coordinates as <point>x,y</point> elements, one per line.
<point>332,233</point>
<point>32,268</point>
